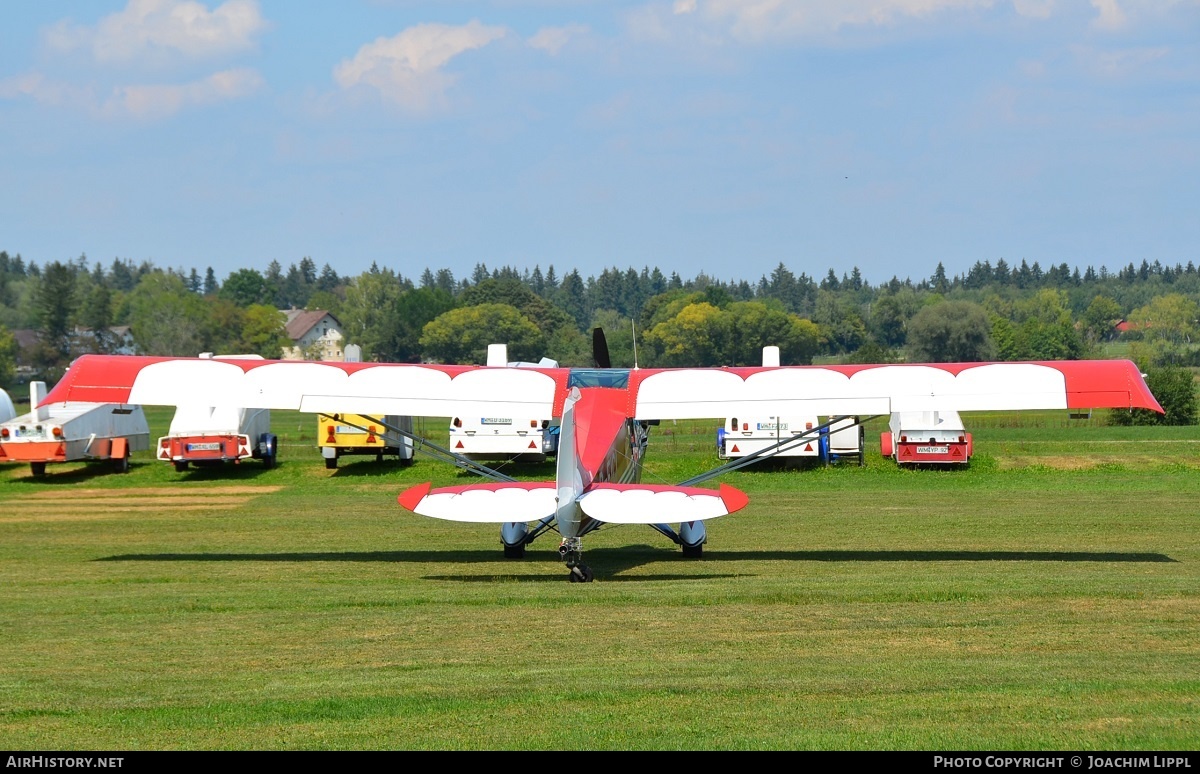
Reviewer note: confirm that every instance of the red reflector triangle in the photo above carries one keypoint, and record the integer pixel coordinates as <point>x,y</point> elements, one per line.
<point>458,445</point>
<point>532,445</point>
<point>808,447</point>
<point>734,449</point>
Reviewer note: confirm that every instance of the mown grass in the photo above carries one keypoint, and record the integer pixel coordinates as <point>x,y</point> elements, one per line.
<point>1047,597</point>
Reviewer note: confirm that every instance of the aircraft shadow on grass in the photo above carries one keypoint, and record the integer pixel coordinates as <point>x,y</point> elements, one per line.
<point>616,560</point>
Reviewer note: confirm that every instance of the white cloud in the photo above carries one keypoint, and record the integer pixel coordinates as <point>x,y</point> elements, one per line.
<point>407,69</point>
<point>1111,16</point>
<point>1035,9</point>
<point>151,101</point>
<point>1122,63</point>
<point>151,28</point>
<point>752,21</point>
<point>552,39</point>
<point>160,101</point>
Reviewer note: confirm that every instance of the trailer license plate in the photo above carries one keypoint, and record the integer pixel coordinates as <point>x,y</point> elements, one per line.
<point>932,449</point>
<point>203,446</point>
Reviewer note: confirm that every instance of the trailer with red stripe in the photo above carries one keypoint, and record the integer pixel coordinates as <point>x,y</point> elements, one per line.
<point>73,431</point>
<point>926,438</point>
<point>205,436</point>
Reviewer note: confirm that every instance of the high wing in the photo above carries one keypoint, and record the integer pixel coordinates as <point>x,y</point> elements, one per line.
<point>314,387</point>
<point>696,393</point>
<point>680,393</point>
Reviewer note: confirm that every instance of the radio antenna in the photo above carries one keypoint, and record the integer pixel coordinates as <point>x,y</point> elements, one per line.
<point>633,327</point>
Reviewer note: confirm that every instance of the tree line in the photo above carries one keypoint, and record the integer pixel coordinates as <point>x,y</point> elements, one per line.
<point>995,311</point>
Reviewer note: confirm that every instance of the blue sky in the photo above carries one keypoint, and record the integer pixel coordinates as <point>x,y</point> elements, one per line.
<point>715,136</point>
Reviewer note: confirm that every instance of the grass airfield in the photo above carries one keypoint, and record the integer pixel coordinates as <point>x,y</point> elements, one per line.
<point>1047,597</point>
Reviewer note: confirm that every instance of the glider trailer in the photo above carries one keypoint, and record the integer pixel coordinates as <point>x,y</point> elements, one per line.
<point>73,431</point>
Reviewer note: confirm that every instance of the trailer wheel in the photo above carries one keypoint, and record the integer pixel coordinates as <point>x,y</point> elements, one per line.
<point>862,446</point>
<point>37,468</point>
<point>121,464</point>
<point>181,465</point>
<point>330,463</point>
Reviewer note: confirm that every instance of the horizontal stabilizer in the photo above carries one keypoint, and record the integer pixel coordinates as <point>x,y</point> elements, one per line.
<point>498,502</point>
<point>654,504</point>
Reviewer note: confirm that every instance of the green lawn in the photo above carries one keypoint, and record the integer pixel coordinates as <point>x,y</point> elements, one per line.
<point>1045,598</point>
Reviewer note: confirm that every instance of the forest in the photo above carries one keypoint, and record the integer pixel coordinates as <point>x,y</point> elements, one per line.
<point>1148,312</point>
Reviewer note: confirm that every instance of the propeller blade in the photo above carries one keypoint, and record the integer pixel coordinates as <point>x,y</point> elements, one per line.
<point>600,349</point>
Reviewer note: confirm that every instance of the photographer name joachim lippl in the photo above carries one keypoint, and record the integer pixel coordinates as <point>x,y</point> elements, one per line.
<point>1052,762</point>
<point>61,762</point>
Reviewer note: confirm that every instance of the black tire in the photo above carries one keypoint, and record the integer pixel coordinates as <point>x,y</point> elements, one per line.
<point>693,552</point>
<point>584,574</point>
<point>181,465</point>
<point>269,461</point>
<point>330,463</point>
<point>37,468</point>
<point>121,464</point>
<point>514,552</point>
<point>378,457</point>
<point>406,462</point>
<point>862,446</point>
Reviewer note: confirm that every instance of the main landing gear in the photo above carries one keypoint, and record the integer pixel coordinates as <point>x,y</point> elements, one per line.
<point>573,558</point>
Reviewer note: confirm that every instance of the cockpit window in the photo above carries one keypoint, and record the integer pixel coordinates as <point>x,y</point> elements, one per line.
<point>599,377</point>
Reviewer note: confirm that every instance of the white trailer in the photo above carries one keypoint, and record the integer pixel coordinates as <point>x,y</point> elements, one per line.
<point>73,431</point>
<point>829,439</point>
<point>213,435</point>
<point>522,439</point>
<point>926,438</point>
<point>846,440</point>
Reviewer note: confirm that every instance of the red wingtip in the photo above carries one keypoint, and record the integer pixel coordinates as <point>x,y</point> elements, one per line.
<point>734,499</point>
<point>410,497</point>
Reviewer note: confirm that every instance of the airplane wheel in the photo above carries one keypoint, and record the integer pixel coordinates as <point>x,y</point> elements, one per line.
<point>693,552</point>
<point>330,463</point>
<point>515,552</point>
<point>181,465</point>
<point>581,574</point>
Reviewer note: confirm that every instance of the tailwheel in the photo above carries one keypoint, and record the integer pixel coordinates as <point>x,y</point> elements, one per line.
<point>578,572</point>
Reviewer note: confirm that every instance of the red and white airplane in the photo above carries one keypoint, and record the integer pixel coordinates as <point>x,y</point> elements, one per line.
<point>605,417</point>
